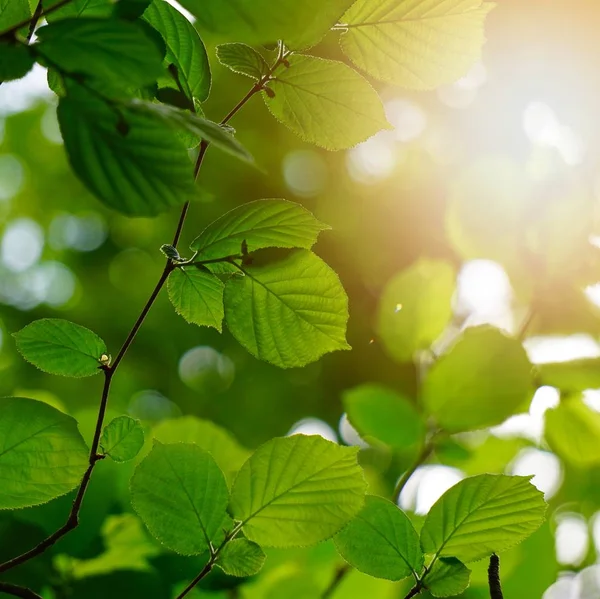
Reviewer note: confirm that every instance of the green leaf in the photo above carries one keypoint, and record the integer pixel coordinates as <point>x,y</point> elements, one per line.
<point>16,60</point>
<point>181,495</point>
<point>58,346</point>
<point>107,51</point>
<point>448,577</point>
<point>417,44</point>
<point>132,162</point>
<point>42,453</point>
<point>197,295</point>
<point>498,383</point>
<point>130,10</point>
<point>261,224</point>
<point>185,50</point>
<point>572,431</point>
<point>325,102</point>
<point>297,491</point>
<point>381,541</point>
<point>122,439</point>
<point>576,375</point>
<point>299,24</point>
<point>288,313</point>
<point>482,515</point>
<point>224,448</point>
<point>13,12</point>
<point>241,557</point>
<point>375,411</point>
<point>78,8</point>
<point>415,308</point>
<point>243,59</point>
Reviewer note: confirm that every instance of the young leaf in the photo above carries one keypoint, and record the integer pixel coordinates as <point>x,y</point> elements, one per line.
<point>107,51</point>
<point>415,308</point>
<point>575,375</point>
<point>140,173</point>
<point>241,557</point>
<point>416,44</point>
<point>447,578</point>
<point>181,495</point>
<point>482,515</point>
<point>197,295</point>
<point>325,102</point>
<point>58,346</point>
<point>16,60</point>
<point>42,453</point>
<point>288,313</point>
<point>78,8</point>
<point>381,541</point>
<point>242,59</point>
<point>122,439</point>
<point>261,224</point>
<point>185,50</point>
<point>499,381</point>
<point>297,490</point>
<point>375,411</point>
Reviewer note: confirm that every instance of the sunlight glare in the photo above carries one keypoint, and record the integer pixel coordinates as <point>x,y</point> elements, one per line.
<point>426,486</point>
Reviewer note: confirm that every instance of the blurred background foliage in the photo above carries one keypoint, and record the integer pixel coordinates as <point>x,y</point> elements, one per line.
<point>495,175</point>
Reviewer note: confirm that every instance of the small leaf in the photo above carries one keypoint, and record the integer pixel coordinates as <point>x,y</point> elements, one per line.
<point>181,495</point>
<point>185,50</point>
<point>448,577</point>
<point>58,346</point>
<point>243,59</point>
<point>482,515</point>
<point>416,307</point>
<point>241,558</point>
<point>16,60</point>
<point>417,44</point>
<point>42,453</point>
<point>499,381</point>
<point>575,375</point>
<point>297,490</point>
<point>326,103</point>
<point>381,541</point>
<point>122,439</point>
<point>288,313</point>
<point>197,295</point>
<point>259,224</point>
<point>375,411</point>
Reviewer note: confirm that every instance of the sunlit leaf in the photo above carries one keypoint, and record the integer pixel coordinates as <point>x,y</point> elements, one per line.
<point>575,375</point>
<point>242,59</point>
<point>241,557</point>
<point>122,438</point>
<point>448,577</point>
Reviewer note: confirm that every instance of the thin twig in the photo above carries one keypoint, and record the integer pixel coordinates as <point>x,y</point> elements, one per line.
<point>34,20</point>
<point>494,577</point>
<point>36,17</point>
<point>17,591</point>
<point>414,591</point>
<point>337,580</point>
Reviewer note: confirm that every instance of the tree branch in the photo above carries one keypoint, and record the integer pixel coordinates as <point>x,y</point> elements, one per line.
<point>17,591</point>
<point>494,577</point>
<point>34,19</point>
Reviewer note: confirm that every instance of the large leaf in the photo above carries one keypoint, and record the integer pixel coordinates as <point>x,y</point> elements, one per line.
<point>381,541</point>
<point>575,375</point>
<point>16,60</point>
<point>482,380</point>
<point>42,453</point>
<point>415,307</point>
<point>260,224</point>
<point>482,515</point>
<point>418,44</point>
<point>448,577</point>
<point>78,8</point>
<point>197,295</point>
<point>132,162</point>
<point>185,50</point>
<point>181,495</point>
<point>297,490</point>
<point>288,313</point>
<point>61,347</point>
<point>13,12</point>
<point>325,102</point>
<point>299,24</point>
<point>241,557</point>
<point>375,411</point>
<point>243,59</point>
<point>122,438</point>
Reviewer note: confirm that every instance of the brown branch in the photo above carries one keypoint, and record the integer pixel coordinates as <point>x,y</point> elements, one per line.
<point>17,591</point>
<point>494,577</point>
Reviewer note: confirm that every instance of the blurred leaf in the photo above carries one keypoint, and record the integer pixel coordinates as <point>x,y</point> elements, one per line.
<point>185,50</point>
<point>288,313</point>
<point>197,295</point>
<point>241,557</point>
<point>61,347</point>
<point>78,8</point>
<point>325,102</point>
<point>297,490</point>
<point>483,379</point>
<point>42,453</point>
<point>121,585</point>
<point>130,10</point>
<point>384,414</point>
<point>122,439</point>
<point>16,60</point>
<point>482,515</point>
<point>381,541</point>
<point>242,59</point>
<point>575,375</point>
<point>416,44</point>
<point>415,307</point>
<point>181,495</point>
<point>447,578</point>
